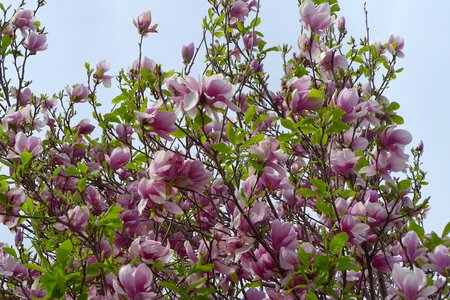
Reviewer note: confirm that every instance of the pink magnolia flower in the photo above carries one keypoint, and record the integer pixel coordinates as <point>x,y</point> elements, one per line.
<point>166,166</point>
<point>440,260</point>
<point>124,132</point>
<point>16,118</point>
<point>300,101</point>
<point>160,123</point>
<point>283,235</point>
<point>384,262</point>
<point>95,200</point>
<point>78,217</point>
<point>395,139</point>
<point>218,92</point>
<point>24,20</point>
<point>150,250</point>
<point>135,282</point>
<point>36,42</point>
<point>239,11</point>
<point>251,40</point>
<point>30,144</point>
<point>118,158</point>
<point>100,73</point>
<point>341,24</point>
<point>358,232</point>
<point>347,99</point>
<point>84,127</point>
<point>396,44</point>
<point>194,176</point>
<point>317,18</point>
<point>269,152</point>
<point>213,92</point>
<point>154,193</point>
<point>414,248</point>
<point>309,48</point>
<point>343,161</point>
<point>331,64</point>
<point>263,265</point>
<point>78,93</point>
<point>411,284</point>
<point>187,52</point>
<point>143,23</point>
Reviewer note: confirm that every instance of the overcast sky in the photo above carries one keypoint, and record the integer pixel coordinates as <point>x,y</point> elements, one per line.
<point>89,31</point>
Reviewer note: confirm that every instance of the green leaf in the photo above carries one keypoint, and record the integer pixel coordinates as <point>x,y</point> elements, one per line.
<point>307,193</point>
<point>81,184</point>
<point>222,148</point>
<point>111,118</point>
<point>347,263</point>
<point>311,296</point>
<point>249,114</point>
<point>63,252</point>
<point>10,251</point>
<point>253,140</point>
<point>338,242</point>
<point>72,171</point>
<point>446,230</point>
<point>35,267</point>
<point>231,134</point>
<point>418,229</point>
<point>404,184</point>
<point>397,119</point>
<point>25,157</point>
<point>315,94</point>
<point>119,99</point>
<point>324,207</point>
<point>6,41</point>
<point>288,124</point>
<point>178,134</point>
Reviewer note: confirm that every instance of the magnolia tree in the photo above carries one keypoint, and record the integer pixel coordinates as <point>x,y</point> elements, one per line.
<point>216,185</point>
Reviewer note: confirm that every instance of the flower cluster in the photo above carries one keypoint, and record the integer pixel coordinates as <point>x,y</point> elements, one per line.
<point>219,186</point>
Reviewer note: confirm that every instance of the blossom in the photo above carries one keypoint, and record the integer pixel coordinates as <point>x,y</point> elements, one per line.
<point>77,217</point>
<point>283,235</point>
<point>24,20</point>
<point>309,48</point>
<point>317,18</point>
<point>135,282</point>
<point>84,127</point>
<point>101,68</point>
<point>118,158</point>
<point>30,144</point>
<point>151,251</point>
<point>411,284</point>
<point>194,176</point>
<point>251,40</point>
<point>347,99</point>
<point>78,93</point>
<point>440,260</point>
<point>36,42</point>
<point>187,52</point>
<point>300,90</point>
<point>213,92</point>
<point>413,246</point>
<point>143,23</point>
<point>343,161</point>
<point>358,232</point>
<point>158,122</point>
<point>166,165</point>
<point>396,44</point>
<point>384,262</point>
<point>239,11</point>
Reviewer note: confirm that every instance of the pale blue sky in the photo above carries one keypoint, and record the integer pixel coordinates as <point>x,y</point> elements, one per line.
<point>89,31</point>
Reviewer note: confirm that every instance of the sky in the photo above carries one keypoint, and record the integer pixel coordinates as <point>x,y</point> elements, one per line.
<point>89,31</point>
